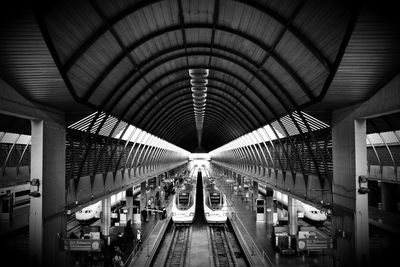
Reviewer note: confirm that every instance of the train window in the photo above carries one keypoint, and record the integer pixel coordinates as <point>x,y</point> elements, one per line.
<point>22,193</point>
<point>22,202</point>
<point>215,199</point>
<point>5,205</point>
<point>21,198</point>
<point>183,199</point>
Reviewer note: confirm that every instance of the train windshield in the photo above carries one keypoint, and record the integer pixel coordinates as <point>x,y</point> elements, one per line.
<point>216,201</point>
<point>184,199</point>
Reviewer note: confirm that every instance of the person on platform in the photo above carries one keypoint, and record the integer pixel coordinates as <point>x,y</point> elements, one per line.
<point>117,260</point>
<point>139,236</point>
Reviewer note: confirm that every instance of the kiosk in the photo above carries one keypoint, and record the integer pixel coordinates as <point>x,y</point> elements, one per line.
<point>261,215</point>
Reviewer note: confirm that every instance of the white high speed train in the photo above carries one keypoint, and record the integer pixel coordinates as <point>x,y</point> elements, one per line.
<point>215,204</point>
<point>92,212</point>
<point>310,213</point>
<point>184,202</point>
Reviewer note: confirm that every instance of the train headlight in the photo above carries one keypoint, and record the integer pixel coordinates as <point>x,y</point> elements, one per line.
<point>174,214</point>
<point>191,214</point>
<point>207,214</point>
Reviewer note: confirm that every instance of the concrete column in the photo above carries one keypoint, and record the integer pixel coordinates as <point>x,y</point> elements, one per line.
<point>129,204</point>
<point>157,192</point>
<point>143,195</point>
<point>388,196</point>
<point>158,180</point>
<point>350,213</point>
<point>47,221</point>
<point>269,205</point>
<point>106,217</point>
<point>255,195</point>
<point>292,216</point>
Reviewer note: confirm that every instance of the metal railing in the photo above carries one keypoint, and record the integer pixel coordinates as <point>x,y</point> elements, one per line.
<point>260,251</point>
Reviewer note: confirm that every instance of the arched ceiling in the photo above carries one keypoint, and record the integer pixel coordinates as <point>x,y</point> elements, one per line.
<point>132,60</point>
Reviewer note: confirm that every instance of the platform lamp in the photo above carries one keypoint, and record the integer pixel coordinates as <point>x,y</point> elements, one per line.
<point>35,182</point>
<point>362,190</point>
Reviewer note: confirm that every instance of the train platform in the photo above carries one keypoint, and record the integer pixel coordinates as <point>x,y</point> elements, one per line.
<point>151,231</point>
<point>129,249</point>
<point>261,234</point>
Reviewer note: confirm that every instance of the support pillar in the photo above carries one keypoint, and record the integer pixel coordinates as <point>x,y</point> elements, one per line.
<point>292,216</point>
<point>143,198</point>
<point>129,204</point>
<point>158,180</point>
<point>255,194</point>
<point>269,205</point>
<point>47,219</point>
<point>350,213</point>
<point>106,218</point>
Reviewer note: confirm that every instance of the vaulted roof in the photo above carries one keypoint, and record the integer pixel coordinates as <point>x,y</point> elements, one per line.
<point>265,59</point>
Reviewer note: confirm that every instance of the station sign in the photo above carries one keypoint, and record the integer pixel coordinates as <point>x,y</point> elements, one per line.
<point>313,244</point>
<point>82,244</point>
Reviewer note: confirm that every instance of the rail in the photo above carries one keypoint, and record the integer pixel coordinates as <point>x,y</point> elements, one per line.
<point>222,252</point>
<point>233,217</point>
<point>177,253</point>
<point>139,246</point>
<point>158,239</point>
<point>265,259</point>
<point>229,244</point>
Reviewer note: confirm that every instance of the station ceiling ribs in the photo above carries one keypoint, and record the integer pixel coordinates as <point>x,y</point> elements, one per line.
<point>266,59</point>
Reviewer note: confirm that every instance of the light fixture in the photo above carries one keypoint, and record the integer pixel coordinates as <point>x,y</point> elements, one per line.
<point>362,190</point>
<point>35,182</point>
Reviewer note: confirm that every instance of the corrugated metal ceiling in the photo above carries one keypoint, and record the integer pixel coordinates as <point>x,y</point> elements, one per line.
<point>131,60</point>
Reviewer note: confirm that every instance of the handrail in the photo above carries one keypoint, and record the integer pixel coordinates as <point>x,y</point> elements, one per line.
<point>240,237</point>
<point>158,240</point>
<point>254,245</point>
<point>262,252</point>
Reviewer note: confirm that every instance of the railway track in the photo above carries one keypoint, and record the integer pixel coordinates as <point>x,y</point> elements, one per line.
<point>72,224</point>
<point>326,229</point>
<point>179,246</point>
<point>221,248</point>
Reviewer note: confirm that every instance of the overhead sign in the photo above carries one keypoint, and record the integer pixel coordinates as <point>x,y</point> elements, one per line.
<point>82,244</point>
<point>313,243</point>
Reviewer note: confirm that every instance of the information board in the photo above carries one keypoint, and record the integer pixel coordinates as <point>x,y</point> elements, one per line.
<point>82,245</point>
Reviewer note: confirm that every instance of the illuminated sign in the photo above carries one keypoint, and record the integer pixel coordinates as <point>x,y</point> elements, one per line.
<point>82,245</point>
